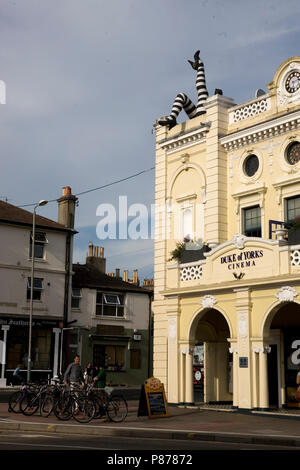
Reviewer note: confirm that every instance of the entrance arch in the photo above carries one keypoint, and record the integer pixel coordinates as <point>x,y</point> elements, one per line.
<point>212,329</point>
<point>281,330</point>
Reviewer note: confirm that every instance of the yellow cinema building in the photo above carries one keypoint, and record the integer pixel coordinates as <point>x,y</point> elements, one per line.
<point>227,314</point>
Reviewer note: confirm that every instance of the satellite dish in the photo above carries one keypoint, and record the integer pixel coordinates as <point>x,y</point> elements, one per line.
<point>259,93</point>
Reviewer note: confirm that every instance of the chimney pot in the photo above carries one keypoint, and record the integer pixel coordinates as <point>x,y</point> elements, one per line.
<point>96,251</point>
<point>66,191</point>
<point>91,247</point>
<point>117,272</point>
<point>126,275</point>
<point>101,252</point>
<point>135,276</point>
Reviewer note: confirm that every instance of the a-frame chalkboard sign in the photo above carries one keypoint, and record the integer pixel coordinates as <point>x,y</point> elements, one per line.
<point>153,401</point>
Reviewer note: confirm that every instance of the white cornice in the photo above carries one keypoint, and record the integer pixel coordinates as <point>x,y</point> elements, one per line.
<point>262,131</point>
<point>185,140</point>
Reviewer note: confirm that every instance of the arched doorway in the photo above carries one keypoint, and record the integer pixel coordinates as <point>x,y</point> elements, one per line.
<point>210,333</point>
<point>282,330</point>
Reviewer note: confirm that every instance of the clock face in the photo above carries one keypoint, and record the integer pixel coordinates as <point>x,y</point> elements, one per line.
<point>292,83</point>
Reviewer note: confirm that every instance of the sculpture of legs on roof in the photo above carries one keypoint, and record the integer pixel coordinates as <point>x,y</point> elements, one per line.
<point>182,101</point>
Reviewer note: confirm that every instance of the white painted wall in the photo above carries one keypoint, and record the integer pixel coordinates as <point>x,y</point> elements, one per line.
<point>15,269</point>
<point>136,311</point>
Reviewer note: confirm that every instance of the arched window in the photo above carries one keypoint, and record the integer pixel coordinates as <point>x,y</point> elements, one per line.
<point>188,223</point>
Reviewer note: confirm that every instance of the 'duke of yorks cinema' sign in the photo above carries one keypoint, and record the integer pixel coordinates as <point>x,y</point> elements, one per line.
<point>243,259</point>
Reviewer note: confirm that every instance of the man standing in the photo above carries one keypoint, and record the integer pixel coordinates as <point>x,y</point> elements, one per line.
<point>73,374</point>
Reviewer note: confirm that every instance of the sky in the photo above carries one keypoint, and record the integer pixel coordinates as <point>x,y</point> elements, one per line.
<point>87,79</point>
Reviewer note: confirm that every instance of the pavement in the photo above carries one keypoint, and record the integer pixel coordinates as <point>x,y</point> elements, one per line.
<point>219,423</point>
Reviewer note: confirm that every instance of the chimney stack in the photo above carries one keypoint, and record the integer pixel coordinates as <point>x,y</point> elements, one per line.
<point>135,279</point>
<point>96,258</point>
<point>66,208</point>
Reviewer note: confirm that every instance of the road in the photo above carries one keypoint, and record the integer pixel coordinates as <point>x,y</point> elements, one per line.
<point>15,440</point>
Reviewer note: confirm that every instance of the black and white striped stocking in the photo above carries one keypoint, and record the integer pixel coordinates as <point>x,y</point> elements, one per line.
<point>182,101</point>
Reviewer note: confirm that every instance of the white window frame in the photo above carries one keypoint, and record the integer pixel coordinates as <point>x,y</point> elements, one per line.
<point>38,243</point>
<point>117,304</point>
<point>77,297</point>
<point>35,289</point>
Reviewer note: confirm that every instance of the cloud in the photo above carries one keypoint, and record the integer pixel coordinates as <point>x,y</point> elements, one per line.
<point>87,80</point>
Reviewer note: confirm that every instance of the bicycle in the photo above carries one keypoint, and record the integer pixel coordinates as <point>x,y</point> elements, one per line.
<point>33,401</point>
<point>15,399</point>
<point>52,395</point>
<point>74,403</point>
<point>108,403</point>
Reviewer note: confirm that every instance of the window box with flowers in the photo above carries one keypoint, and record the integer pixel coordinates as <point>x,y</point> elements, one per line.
<point>189,251</point>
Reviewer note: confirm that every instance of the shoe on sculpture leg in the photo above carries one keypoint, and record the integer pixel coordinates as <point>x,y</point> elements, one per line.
<point>170,122</point>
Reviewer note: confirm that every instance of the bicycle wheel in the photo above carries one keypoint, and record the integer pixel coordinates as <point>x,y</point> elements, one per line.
<point>83,410</point>
<point>47,405</point>
<point>63,409</point>
<point>29,404</point>
<point>99,408</point>
<point>14,402</point>
<point>117,408</point>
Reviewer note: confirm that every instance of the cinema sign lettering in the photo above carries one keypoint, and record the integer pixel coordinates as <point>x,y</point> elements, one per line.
<point>241,260</point>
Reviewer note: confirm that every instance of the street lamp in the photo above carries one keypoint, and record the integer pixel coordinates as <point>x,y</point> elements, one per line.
<point>41,203</point>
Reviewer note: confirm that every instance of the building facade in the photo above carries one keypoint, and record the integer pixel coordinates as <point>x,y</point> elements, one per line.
<point>111,321</point>
<point>51,291</point>
<point>230,177</point>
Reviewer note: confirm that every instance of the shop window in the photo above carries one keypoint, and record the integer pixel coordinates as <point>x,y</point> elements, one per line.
<point>135,359</point>
<point>111,305</point>
<point>17,348</point>
<point>76,297</point>
<point>252,221</point>
<point>112,357</point>
<point>292,208</point>
<point>37,288</point>
<point>39,245</point>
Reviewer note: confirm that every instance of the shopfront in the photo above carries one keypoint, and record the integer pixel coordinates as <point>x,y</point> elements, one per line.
<point>45,344</point>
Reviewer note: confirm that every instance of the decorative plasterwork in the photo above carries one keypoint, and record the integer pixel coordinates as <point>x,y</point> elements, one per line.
<point>286,294</point>
<point>208,301</point>
<point>249,109</point>
<point>257,190</point>
<point>260,132</point>
<point>239,240</point>
<point>185,140</point>
<point>172,329</point>
<point>295,257</point>
<point>279,185</point>
<point>241,172</point>
<point>261,349</point>
<point>191,272</point>
<point>187,351</point>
